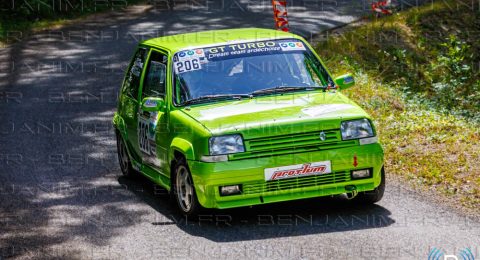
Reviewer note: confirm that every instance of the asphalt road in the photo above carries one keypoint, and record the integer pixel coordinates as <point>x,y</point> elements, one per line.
<point>61,194</point>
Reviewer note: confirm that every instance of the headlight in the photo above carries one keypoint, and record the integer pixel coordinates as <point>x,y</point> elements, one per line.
<point>226,144</point>
<point>356,129</point>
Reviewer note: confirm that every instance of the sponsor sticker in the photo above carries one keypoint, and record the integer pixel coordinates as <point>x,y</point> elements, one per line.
<point>191,54</point>
<point>298,170</point>
<point>190,60</point>
<point>292,46</point>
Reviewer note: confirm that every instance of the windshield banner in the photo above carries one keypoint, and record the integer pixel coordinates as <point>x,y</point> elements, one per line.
<point>189,60</point>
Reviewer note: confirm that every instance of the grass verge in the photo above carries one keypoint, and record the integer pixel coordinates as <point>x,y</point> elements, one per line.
<point>416,76</point>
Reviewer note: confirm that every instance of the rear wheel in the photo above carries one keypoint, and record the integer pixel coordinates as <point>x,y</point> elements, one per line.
<point>123,159</point>
<point>370,197</point>
<point>184,190</point>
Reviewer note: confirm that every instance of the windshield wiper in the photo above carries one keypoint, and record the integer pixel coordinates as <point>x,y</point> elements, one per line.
<point>280,89</point>
<point>208,98</point>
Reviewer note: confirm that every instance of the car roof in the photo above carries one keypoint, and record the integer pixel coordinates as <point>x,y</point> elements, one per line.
<point>178,42</point>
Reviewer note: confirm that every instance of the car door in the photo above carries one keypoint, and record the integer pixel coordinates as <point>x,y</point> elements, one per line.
<point>129,101</point>
<point>152,125</point>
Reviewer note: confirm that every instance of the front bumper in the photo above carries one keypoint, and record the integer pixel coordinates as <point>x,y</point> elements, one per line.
<point>207,177</point>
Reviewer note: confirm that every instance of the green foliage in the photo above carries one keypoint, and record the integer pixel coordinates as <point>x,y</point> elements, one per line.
<point>430,53</point>
<point>454,83</point>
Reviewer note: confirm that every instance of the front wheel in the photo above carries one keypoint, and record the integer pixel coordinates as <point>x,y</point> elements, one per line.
<point>370,197</point>
<point>184,190</point>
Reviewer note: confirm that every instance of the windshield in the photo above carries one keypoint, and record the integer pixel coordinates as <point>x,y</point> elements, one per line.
<point>242,69</point>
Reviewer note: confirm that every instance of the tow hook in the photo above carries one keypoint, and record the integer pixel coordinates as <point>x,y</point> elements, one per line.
<point>351,191</point>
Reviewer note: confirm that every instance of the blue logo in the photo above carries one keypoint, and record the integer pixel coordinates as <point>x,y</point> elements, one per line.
<point>284,45</point>
<point>435,254</point>
<point>150,103</point>
<point>438,254</point>
<point>182,54</point>
<point>467,254</point>
<point>347,80</point>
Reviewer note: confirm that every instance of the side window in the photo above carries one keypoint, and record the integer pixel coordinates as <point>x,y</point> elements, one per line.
<point>132,79</point>
<point>155,78</point>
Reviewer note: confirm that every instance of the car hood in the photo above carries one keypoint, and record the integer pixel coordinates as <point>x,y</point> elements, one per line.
<point>277,114</point>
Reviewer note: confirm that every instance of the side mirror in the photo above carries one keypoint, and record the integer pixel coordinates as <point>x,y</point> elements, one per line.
<point>345,81</point>
<point>151,104</point>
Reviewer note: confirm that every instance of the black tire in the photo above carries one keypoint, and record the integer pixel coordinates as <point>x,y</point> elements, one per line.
<point>183,190</point>
<point>373,196</point>
<point>124,159</point>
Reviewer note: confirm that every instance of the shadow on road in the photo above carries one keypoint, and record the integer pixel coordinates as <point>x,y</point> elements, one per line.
<point>287,219</point>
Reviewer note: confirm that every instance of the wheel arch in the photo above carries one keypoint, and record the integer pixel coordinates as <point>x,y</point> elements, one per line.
<point>119,126</point>
<point>183,147</point>
<point>179,149</point>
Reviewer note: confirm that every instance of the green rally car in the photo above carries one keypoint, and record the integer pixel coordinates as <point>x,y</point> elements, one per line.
<point>241,117</point>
